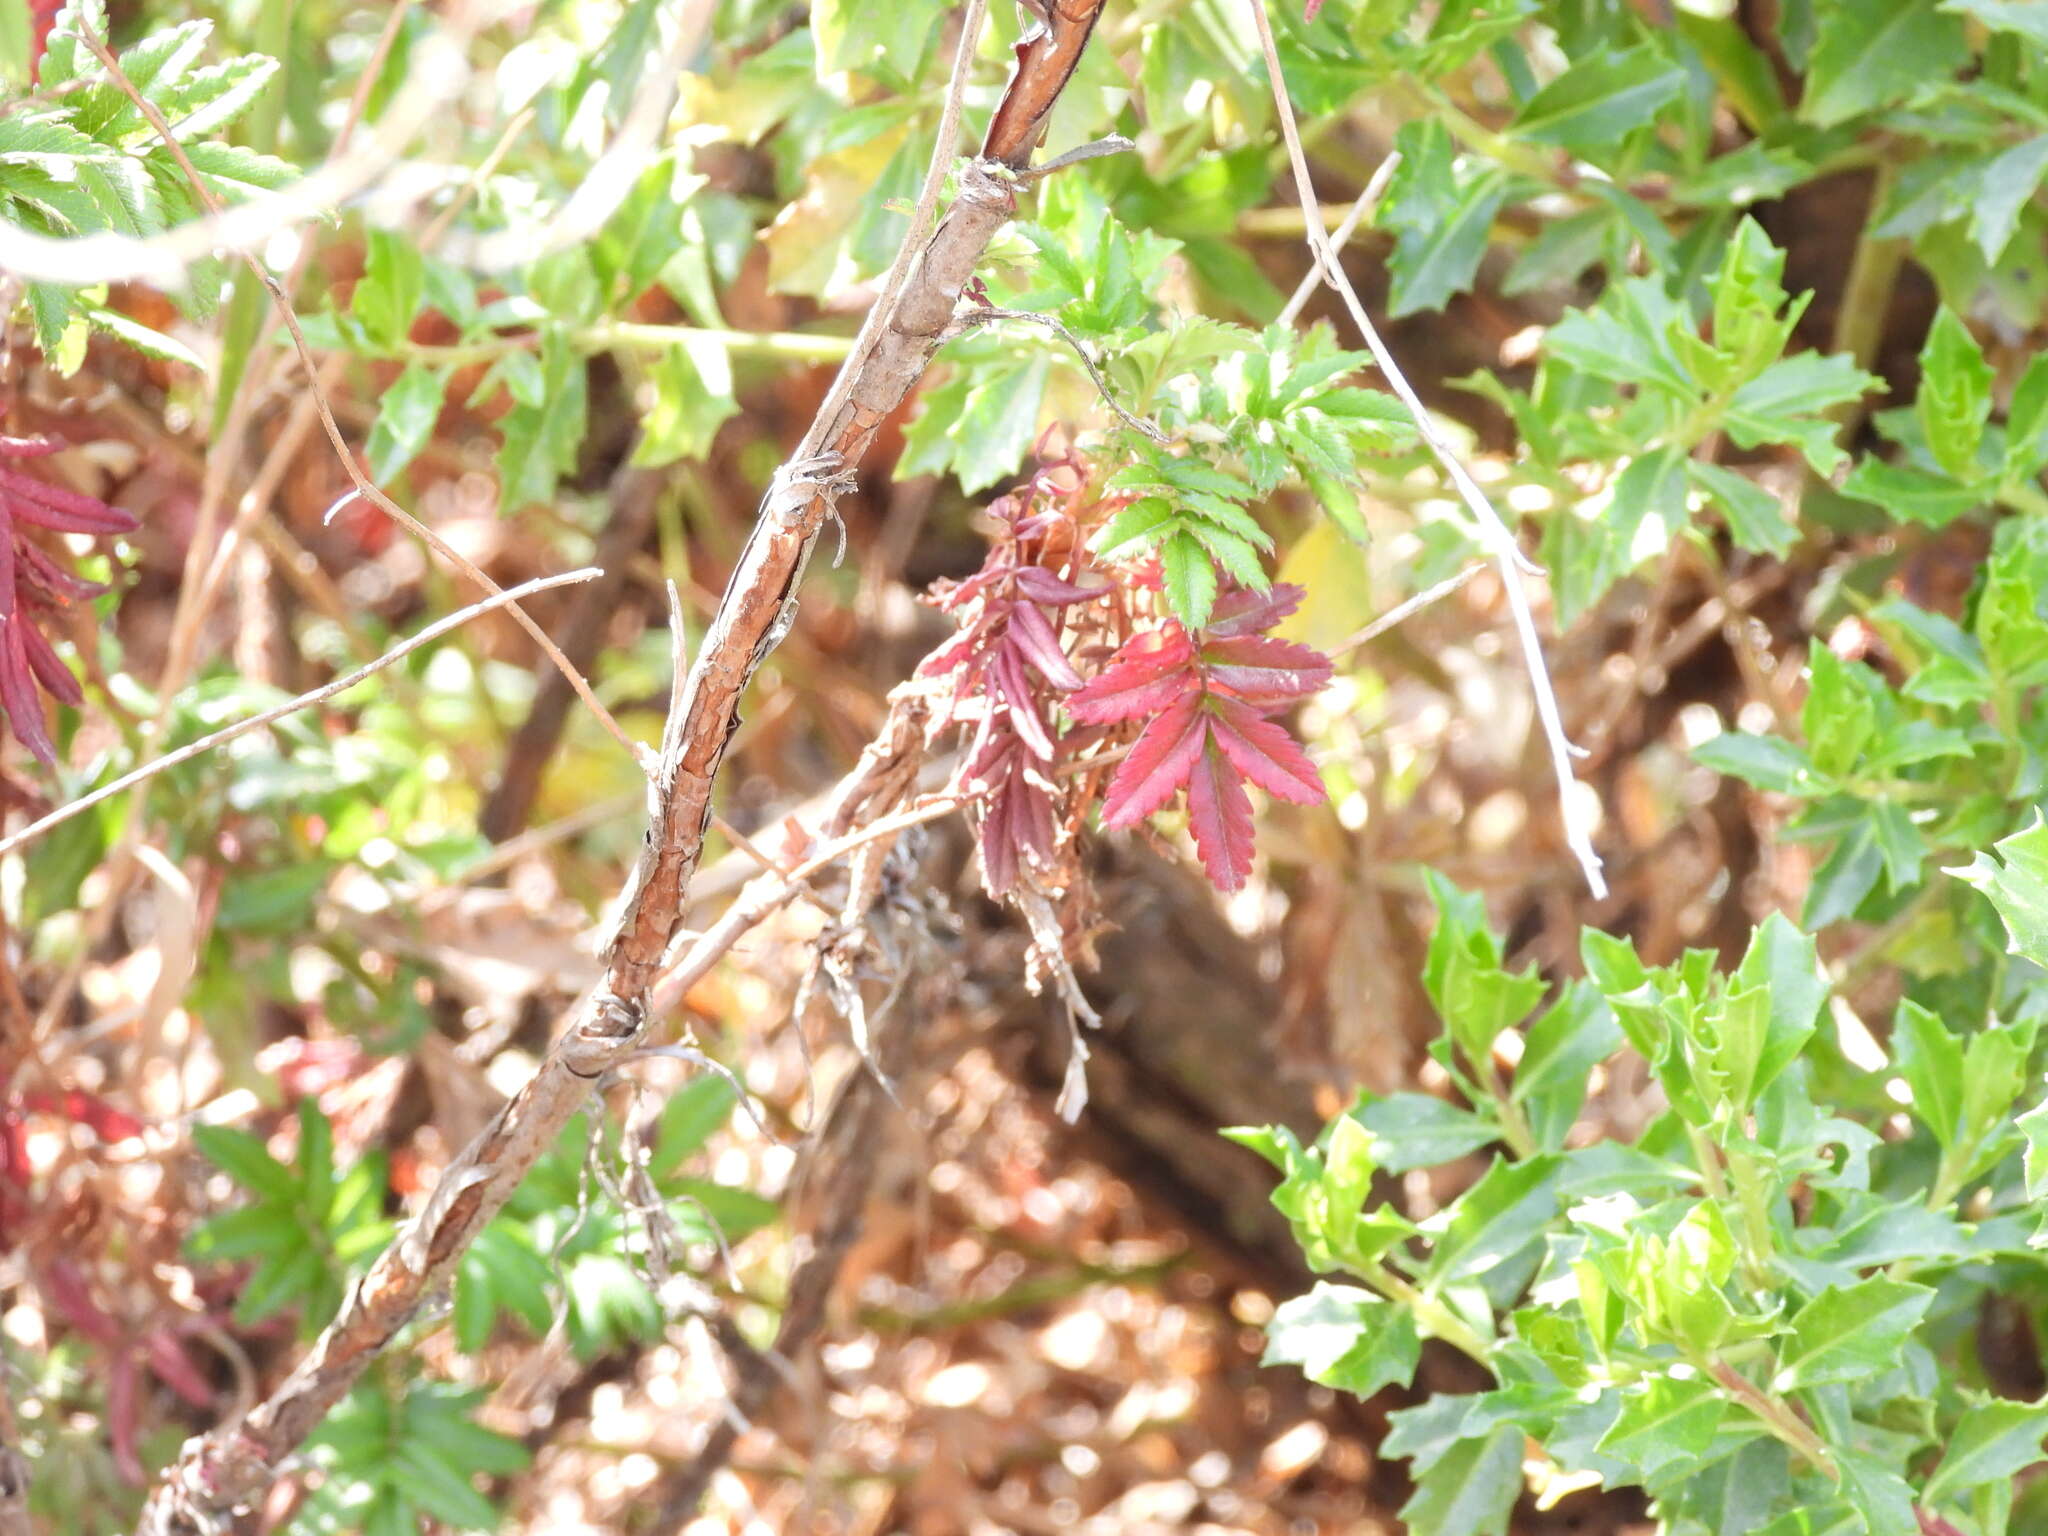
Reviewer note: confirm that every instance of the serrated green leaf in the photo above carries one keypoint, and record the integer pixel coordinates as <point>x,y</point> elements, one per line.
<point>1142,522</point>
<point>2033,1126</point>
<point>1991,1442</point>
<point>1346,1338</point>
<point>406,414</point>
<point>2016,881</point>
<point>998,423</point>
<point>1190,579</point>
<point>1871,53</point>
<point>2005,186</point>
<point>1441,209</point>
<point>207,100</point>
<point>1912,494</point>
<point>1756,518</point>
<point>1955,395</point>
<point>1664,1422</point>
<point>693,398</point>
<point>1783,404</point>
<point>1601,99</point>
<point>246,1160</point>
<point>234,172</point>
<point>1470,1489</point>
<point>1850,1332</point>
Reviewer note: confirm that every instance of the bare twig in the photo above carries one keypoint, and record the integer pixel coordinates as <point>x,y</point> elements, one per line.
<point>1403,611</point>
<point>271,716</point>
<point>1367,202</point>
<point>1494,534</point>
<point>231,1466</point>
<point>990,315</point>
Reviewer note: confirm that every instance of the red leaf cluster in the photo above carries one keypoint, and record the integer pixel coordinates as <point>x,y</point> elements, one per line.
<point>1006,654</point>
<point>31,579</point>
<point>1205,700</point>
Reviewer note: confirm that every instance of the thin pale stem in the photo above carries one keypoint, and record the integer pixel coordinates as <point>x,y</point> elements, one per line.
<point>1494,533</point>
<point>222,737</point>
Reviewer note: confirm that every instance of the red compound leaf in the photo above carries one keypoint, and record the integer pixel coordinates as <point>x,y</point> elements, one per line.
<point>1204,703</point>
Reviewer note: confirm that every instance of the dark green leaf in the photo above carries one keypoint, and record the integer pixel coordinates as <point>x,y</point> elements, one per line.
<point>1470,1489</point>
<point>1601,99</point>
<point>1871,53</point>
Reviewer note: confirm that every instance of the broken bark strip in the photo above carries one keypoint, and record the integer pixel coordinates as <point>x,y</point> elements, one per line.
<point>225,1469</point>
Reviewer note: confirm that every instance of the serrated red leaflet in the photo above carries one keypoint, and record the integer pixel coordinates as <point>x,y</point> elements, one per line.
<point>1159,763</point>
<point>1264,670</point>
<point>1144,677</point>
<point>31,580</point>
<point>1264,753</point>
<point>1207,698</point>
<point>1220,817</point>
<point>1242,611</point>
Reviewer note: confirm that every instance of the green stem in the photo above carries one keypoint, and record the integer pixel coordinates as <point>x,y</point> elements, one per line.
<point>1778,1416</point>
<point>1431,1315</point>
<point>1867,295</point>
<point>1514,1126</point>
<point>1751,1199</point>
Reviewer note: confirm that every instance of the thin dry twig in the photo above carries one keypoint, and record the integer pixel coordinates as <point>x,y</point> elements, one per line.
<point>1367,202</point>
<point>1403,611</point>
<point>1494,534</point>
<point>990,315</point>
<point>271,716</point>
